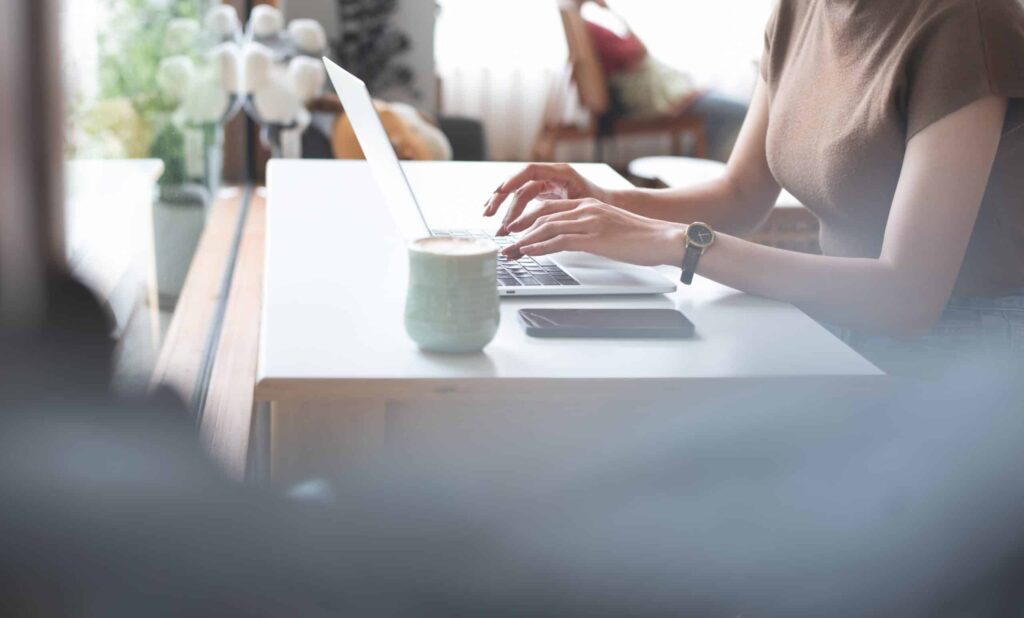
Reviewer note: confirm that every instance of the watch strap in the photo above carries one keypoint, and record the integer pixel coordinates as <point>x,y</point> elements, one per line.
<point>690,260</point>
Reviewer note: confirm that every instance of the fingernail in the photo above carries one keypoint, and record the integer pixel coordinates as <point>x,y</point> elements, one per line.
<point>498,190</point>
<point>502,231</point>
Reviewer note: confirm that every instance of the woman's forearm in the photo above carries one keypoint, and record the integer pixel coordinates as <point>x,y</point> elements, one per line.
<point>860,293</point>
<point>718,203</point>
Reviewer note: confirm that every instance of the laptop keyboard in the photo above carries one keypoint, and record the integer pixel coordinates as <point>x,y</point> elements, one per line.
<point>524,272</point>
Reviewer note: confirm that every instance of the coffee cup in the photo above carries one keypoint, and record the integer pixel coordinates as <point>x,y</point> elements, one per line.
<point>452,301</point>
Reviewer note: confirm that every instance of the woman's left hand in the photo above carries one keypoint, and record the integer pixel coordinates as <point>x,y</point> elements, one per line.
<point>595,227</point>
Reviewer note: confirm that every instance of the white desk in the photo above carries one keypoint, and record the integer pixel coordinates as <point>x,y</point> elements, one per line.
<point>333,341</point>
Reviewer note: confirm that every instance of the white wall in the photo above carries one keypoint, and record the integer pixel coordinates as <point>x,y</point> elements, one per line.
<point>415,17</point>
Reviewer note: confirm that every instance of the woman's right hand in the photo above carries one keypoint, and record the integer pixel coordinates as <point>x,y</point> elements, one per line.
<point>539,181</point>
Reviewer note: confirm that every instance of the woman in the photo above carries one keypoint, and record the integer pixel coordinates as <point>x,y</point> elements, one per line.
<point>899,124</point>
<point>643,87</point>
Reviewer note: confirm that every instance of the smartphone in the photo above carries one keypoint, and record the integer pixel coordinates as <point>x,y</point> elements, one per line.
<point>606,323</point>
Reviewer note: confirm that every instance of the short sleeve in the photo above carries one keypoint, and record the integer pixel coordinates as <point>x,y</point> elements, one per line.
<point>969,50</point>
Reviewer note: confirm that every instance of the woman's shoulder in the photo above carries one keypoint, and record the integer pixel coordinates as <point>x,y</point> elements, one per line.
<point>999,14</point>
<point>919,12</point>
<point>992,27</point>
<point>1005,7</point>
<point>790,11</point>
<point>781,34</point>
<point>957,51</point>
<point>787,18</point>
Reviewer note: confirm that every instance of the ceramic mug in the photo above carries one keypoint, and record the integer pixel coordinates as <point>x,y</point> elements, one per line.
<point>452,302</point>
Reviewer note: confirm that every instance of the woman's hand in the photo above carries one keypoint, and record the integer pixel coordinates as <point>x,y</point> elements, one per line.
<point>544,181</point>
<point>595,227</point>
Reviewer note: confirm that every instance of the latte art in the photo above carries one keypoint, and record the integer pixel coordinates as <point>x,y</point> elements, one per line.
<point>454,246</point>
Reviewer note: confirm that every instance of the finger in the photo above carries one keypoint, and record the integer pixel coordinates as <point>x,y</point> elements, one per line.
<point>550,230</point>
<point>533,171</point>
<point>546,232</point>
<point>565,242</point>
<point>526,220</point>
<point>565,215</point>
<point>494,201</point>
<point>526,194</point>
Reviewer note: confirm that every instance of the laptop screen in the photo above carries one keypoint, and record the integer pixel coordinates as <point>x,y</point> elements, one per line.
<point>380,154</point>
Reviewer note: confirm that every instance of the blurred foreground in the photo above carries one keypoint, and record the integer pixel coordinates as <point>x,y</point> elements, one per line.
<point>903,503</point>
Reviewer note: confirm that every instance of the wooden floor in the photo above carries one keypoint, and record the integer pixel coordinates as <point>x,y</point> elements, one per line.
<point>181,356</point>
<point>226,414</point>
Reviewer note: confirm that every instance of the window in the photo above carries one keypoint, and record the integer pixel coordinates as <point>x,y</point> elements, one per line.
<point>140,181</point>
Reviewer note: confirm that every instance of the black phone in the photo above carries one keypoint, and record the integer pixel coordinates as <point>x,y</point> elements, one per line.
<point>606,323</point>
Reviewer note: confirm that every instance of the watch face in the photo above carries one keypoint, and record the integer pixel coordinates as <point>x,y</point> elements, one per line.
<point>700,235</point>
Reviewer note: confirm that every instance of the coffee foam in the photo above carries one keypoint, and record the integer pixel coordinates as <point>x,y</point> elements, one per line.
<point>454,246</point>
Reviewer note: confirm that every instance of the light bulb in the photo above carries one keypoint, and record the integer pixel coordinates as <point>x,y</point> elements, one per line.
<point>266,21</point>
<point>308,35</point>
<point>306,77</point>
<point>173,76</point>
<point>223,22</point>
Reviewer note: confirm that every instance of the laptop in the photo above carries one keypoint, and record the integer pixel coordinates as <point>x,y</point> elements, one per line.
<point>561,274</point>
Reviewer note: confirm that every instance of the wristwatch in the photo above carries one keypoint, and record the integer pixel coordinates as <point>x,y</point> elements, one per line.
<point>699,236</point>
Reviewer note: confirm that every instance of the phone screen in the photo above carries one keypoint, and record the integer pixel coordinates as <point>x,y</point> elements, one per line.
<point>618,323</point>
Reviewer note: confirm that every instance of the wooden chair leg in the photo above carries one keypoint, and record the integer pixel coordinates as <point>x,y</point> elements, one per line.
<point>544,148</point>
<point>701,145</point>
<point>599,149</point>
<point>677,144</point>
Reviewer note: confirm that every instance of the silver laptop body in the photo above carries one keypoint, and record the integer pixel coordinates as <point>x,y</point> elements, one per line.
<point>562,274</point>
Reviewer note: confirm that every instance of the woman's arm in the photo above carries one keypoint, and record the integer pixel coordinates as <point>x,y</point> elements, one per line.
<point>945,172</point>
<point>736,203</point>
<point>942,183</point>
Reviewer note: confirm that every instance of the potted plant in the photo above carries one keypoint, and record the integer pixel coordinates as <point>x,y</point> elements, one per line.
<point>134,116</point>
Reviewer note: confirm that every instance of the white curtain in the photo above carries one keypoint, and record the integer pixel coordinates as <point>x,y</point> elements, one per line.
<point>498,59</point>
<point>80,23</point>
<point>718,42</point>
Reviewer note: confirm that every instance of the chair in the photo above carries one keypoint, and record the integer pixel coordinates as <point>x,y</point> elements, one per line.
<point>465,135</point>
<point>585,74</point>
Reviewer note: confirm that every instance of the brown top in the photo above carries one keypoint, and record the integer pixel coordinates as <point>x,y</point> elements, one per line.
<point>850,81</point>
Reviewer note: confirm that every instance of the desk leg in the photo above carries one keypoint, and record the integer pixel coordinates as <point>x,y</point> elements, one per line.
<point>308,438</point>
